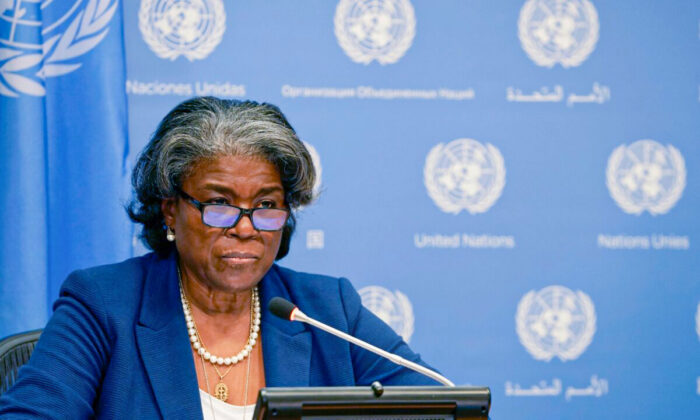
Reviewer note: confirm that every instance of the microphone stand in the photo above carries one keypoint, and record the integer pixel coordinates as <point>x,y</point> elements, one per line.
<point>298,315</point>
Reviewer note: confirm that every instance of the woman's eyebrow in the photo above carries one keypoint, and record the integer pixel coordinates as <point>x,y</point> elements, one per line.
<point>269,190</point>
<point>217,187</point>
<point>226,190</point>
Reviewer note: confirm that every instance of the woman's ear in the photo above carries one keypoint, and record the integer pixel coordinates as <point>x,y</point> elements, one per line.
<point>167,206</point>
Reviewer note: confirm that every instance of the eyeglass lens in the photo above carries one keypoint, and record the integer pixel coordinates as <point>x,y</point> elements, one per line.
<point>263,219</point>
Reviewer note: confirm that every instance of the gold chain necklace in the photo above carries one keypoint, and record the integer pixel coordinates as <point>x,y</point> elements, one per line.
<point>245,391</point>
<point>221,389</point>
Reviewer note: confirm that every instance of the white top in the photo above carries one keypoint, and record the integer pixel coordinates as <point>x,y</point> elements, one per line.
<point>222,410</point>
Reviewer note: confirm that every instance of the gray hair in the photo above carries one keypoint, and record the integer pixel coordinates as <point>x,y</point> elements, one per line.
<point>206,128</point>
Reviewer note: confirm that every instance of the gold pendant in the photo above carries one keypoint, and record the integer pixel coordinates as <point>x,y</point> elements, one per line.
<point>221,391</point>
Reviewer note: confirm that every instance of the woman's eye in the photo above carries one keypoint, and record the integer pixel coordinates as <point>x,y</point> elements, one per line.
<point>267,204</point>
<point>217,200</point>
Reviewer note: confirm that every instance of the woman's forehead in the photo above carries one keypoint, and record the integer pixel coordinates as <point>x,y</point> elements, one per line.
<point>234,173</point>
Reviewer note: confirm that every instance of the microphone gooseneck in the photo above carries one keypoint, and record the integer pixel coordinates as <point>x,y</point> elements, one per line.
<point>287,310</point>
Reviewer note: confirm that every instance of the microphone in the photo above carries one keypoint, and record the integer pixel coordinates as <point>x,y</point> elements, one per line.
<point>285,309</point>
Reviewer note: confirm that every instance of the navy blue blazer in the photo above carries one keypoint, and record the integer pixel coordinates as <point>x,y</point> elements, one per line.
<point>117,346</point>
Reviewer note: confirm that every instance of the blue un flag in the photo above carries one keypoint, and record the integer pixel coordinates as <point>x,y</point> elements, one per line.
<point>64,148</point>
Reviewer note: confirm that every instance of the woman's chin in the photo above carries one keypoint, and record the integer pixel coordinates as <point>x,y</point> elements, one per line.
<point>239,282</point>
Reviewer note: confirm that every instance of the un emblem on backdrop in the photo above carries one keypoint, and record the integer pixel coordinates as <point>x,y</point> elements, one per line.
<point>34,49</point>
<point>555,322</point>
<point>393,308</point>
<point>697,321</point>
<point>316,159</point>
<point>192,28</point>
<point>646,176</point>
<point>464,175</point>
<point>558,31</point>
<point>381,30</point>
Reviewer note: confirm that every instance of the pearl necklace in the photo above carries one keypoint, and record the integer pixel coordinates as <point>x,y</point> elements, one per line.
<point>197,344</point>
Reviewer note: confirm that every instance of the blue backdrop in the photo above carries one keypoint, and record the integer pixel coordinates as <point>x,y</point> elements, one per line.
<point>512,185</point>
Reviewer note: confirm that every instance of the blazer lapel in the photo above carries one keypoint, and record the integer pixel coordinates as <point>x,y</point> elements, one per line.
<point>286,344</point>
<point>164,345</point>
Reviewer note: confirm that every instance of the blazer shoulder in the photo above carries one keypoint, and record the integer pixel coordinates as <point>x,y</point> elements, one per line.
<point>103,273</point>
<point>301,279</point>
<point>319,294</point>
<point>118,286</point>
<point>308,286</point>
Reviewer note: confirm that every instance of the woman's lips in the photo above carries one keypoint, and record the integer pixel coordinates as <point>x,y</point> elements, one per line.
<point>240,257</point>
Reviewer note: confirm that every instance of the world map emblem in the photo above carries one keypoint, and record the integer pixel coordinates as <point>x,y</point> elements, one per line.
<point>44,39</point>
<point>191,28</point>
<point>464,175</point>
<point>558,31</point>
<point>393,308</point>
<point>646,176</point>
<point>697,321</point>
<point>380,30</point>
<point>555,322</point>
<point>316,159</point>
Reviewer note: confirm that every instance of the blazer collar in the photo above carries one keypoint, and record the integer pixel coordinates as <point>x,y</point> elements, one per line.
<point>286,344</point>
<point>164,345</point>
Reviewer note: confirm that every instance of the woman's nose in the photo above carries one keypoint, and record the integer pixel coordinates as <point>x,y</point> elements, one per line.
<point>244,228</point>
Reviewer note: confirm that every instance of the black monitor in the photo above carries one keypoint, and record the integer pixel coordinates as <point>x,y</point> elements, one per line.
<point>374,402</point>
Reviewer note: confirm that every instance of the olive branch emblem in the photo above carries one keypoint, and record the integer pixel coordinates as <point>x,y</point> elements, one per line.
<point>57,54</point>
<point>628,203</point>
<point>351,45</point>
<point>208,39</point>
<point>540,55</point>
<point>543,351</point>
<point>697,326</point>
<point>442,197</point>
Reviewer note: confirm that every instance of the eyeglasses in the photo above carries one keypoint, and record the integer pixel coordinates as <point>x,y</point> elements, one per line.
<point>227,216</point>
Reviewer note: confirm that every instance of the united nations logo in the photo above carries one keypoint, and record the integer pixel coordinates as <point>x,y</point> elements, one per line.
<point>34,49</point>
<point>464,175</point>
<point>172,28</point>
<point>316,159</point>
<point>697,321</point>
<point>393,308</point>
<point>558,31</point>
<point>381,30</point>
<point>646,176</point>
<point>555,322</point>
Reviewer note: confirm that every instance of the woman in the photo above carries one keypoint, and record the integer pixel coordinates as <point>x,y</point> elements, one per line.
<point>181,332</point>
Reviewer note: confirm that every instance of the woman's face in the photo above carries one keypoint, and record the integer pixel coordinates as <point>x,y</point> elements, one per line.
<point>237,258</point>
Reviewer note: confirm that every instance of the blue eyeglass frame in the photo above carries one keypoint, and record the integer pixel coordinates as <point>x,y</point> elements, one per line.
<point>242,212</point>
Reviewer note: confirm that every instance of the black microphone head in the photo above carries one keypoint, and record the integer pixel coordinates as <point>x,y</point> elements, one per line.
<point>281,307</point>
